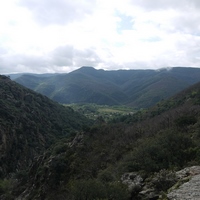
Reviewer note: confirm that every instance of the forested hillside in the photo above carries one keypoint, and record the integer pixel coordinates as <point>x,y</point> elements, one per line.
<point>133,157</point>
<point>30,123</point>
<point>136,88</point>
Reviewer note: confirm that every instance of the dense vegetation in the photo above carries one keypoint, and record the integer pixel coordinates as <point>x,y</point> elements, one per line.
<point>90,162</point>
<point>30,123</point>
<point>135,88</point>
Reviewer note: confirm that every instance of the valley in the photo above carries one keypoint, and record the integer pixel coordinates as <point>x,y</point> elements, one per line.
<point>133,88</point>
<point>84,150</point>
<point>105,112</point>
<point>99,100</point>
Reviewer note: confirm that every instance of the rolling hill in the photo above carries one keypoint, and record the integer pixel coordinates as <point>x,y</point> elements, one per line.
<point>137,88</point>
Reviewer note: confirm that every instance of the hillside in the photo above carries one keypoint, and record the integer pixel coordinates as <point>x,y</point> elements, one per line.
<point>30,123</point>
<point>136,88</point>
<point>132,158</point>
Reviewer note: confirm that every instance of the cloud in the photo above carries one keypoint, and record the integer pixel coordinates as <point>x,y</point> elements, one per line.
<point>171,16</point>
<point>62,56</point>
<point>48,12</point>
<point>22,63</point>
<point>61,35</point>
<point>69,56</point>
<point>169,4</point>
<point>187,24</point>
<point>62,59</point>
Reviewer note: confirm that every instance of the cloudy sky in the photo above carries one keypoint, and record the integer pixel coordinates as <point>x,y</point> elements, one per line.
<point>42,36</point>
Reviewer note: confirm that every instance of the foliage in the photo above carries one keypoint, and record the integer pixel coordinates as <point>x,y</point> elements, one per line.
<point>96,190</point>
<point>163,180</point>
<point>185,121</point>
<point>30,123</point>
<point>5,189</point>
<point>89,162</point>
<point>166,150</point>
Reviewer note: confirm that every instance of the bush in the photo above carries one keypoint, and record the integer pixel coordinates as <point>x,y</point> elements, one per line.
<point>88,189</point>
<point>165,151</point>
<point>185,120</point>
<point>163,180</point>
<point>95,190</point>
<point>5,189</point>
<point>106,176</point>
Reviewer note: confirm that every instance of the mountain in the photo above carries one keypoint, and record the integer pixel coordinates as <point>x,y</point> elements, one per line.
<point>133,157</point>
<point>136,88</point>
<point>30,123</point>
<point>17,75</point>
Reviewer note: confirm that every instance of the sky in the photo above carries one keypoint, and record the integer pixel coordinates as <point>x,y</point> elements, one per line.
<point>48,36</point>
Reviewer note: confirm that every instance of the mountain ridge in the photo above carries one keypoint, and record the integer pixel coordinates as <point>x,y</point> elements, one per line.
<point>129,87</point>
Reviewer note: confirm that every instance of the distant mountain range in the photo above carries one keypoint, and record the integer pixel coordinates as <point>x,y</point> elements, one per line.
<point>137,88</point>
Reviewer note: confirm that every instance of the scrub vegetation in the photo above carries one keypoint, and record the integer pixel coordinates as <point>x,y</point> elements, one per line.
<point>58,153</point>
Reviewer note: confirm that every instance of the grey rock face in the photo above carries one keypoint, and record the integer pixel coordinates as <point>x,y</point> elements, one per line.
<point>189,190</point>
<point>133,180</point>
<point>149,188</point>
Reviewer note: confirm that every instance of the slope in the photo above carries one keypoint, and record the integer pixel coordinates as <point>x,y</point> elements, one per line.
<point>137,88</point>
<point>30,122</point>
<point>91,165</point>
<point>80,86</point>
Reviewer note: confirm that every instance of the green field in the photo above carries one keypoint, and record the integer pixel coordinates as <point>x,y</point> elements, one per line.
<point>94,111</point>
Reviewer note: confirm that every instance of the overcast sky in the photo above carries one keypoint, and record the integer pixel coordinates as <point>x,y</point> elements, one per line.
<point>42,36</point>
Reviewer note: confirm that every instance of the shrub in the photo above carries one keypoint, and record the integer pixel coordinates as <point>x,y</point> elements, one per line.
<point>95,190</point>
<point>5,189</point>
<point>185,120</point>
<point>168,150</point>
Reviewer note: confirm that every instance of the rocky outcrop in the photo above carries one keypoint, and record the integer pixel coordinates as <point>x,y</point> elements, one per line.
<point>133,180</point>
<point>187,187</point>
<point>149,188</point>
<point>180,185</point>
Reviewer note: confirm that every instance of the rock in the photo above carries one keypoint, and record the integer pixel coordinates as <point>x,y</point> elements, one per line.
<point>186,190</point>
<point>150,187</point>
<point>188,171</point>
<point>133,180</point>
<point>77,141</point>
<point>149,194</point>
